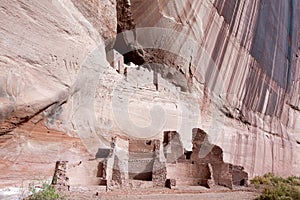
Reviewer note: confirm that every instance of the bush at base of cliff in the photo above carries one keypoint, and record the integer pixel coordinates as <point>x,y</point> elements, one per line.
<point>47,192</point>
<point>277,188</point>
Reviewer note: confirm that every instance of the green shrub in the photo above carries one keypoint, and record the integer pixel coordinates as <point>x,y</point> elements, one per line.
<point>262,180</point>
<point>47,192</point>
<point>277,188</point>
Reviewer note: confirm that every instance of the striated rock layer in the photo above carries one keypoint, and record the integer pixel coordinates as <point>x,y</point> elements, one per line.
<point>43,46</point>
<point>245,54</point>
<point>228,67</point>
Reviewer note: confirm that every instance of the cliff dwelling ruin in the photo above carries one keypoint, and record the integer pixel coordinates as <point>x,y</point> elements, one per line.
<point>153,163</point>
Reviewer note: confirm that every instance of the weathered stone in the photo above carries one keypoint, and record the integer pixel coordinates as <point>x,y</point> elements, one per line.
<point>120,165</point>
<point>159,171</point>
<point>104,153</point>
<point>60,179</point>
<point>189,174</point>
<point>173,148</point>
<point>248,69</point>
<point>211,181</point>
<point>239,176</point>
<point>116,60</point>
<point>222,173</point>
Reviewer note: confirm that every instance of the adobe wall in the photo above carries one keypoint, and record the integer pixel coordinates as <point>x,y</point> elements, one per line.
<point>83,173</point>
<point>138,163</point>
<point>116,60</point>
<point>159,172</point>
<point>141,159</point>
<point>119,171</point>
<point>188,174</point>
<point>224,174</point>
<point>173,148</point>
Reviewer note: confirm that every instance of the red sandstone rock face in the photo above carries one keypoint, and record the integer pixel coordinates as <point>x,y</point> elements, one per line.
<point>29,154</point>
<point>254,78</point>
<point>43,45</point>
<point>228,67</point>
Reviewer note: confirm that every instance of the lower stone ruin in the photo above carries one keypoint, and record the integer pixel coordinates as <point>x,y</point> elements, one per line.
<point>152,163</point>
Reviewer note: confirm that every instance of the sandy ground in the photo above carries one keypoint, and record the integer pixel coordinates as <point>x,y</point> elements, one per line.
<point>168,194</point>
<point>207,196</point>
<point>188,193</point>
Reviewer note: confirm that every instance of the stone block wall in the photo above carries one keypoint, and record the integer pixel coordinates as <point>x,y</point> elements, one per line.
<point>222,174</point>
<point>60,178</point>
<point>116,60</point>
<point>84,173</point>
<point>141,159</point>
<point>139,163</point>
<point>239,176</point>
<point>189,174</point>
<point>173,148</point>
<point>120,159</point>
<point>159,173</point>
<point>203,166</point>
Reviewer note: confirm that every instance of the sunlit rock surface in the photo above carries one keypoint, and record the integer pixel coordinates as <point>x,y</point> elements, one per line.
<point>245,56</point>
<point>43,47</point>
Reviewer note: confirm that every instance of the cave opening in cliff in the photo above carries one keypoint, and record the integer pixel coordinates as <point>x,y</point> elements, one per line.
<point>130,53</point>
<point>125,23</point>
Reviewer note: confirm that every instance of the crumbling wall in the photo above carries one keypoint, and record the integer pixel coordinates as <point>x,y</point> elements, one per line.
<point>189,174</point>
<point>117,172</point>
<point>224,174</point>
<point>60,178</point>
<point>141,159</point>
<point>139,163</point>
<point>83,173</point>
<point>181,166</point>
<point>131,162</point>
<point>159,171</point>
<point>81,176</point>
<point>173,148</point>
<point>203,166</point>
<point>239,176</point>
<point>119,163</point>
<point>203,150</point>
<point>229,175</point>
<point>116,60</point>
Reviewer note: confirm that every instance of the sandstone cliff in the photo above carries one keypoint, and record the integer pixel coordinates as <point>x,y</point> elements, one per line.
<point>43,46</point>
<point>228,67</point>
<point>245,55</point>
